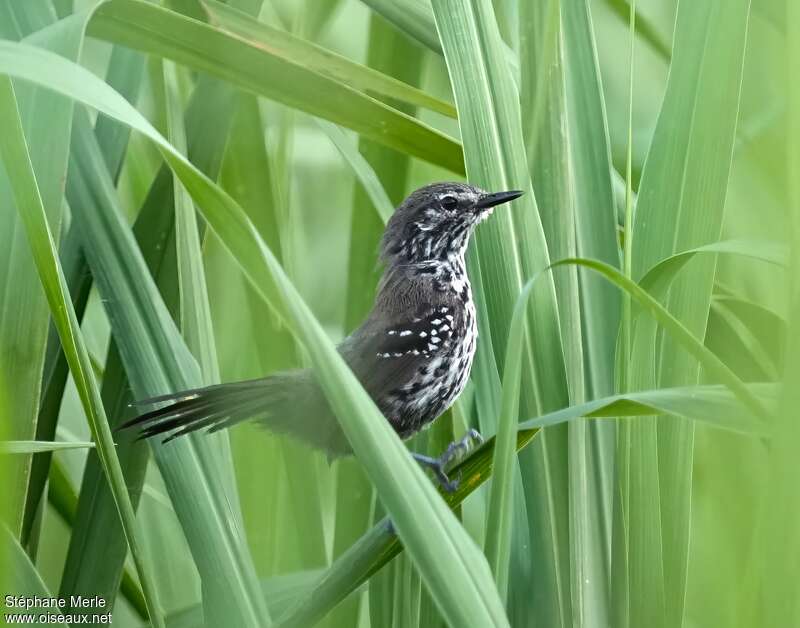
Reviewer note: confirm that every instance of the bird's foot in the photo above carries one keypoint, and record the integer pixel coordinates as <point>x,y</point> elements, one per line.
<point>454,452</point>
<point>459,449</point>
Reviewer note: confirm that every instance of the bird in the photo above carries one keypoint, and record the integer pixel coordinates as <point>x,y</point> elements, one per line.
<point>413,353</point>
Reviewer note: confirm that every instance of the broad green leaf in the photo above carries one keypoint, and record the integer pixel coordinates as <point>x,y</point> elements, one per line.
<point>555,503</point>
<point>325,62</point>
<point>591,454</point>
<point>510,248</point>
<point>567,151</point>
<point>252,67</point>
<point>774,546</point>
<point>680,203</point>
<point>495,157</point>
<point>195,315</point>
<point>19,169</point>
<point>595,216</point>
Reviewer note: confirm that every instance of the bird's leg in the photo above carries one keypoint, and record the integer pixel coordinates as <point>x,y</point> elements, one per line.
<point>437,466</point>
<point>460,448</point>
<point>454,451</point>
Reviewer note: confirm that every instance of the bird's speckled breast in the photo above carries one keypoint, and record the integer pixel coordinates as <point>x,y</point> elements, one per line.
<point>439,381</point>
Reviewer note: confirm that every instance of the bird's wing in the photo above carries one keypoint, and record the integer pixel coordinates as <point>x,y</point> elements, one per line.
<point>387,353</point>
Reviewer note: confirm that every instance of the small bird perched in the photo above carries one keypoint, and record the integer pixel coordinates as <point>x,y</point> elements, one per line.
<point>412,354</point>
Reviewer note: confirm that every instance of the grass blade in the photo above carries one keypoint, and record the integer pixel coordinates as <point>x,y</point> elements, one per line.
<point>363,171</point>
<point>325,62</point>
<point>38,446</point>
<point>46,120</point>
<point>19,576</point>
<point>149,28</point>
<point>18,166</point>
<point>413,17</point>
<point>687,167</point>
<point>498,526</point>
<point>155,360</point>
<point>713,405</point>
<point>378,546</point>
<point>713,365</point>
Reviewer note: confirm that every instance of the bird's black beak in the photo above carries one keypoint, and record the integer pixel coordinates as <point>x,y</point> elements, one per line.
<point>498,198</point>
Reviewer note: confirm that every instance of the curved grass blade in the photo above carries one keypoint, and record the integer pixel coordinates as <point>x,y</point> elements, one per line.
<point>447,559</point>
<point>713,405</point>
<point>303,52</point>
<point>13,149</point>
<point>658,279</point>
<point>150,28</point>
<point>713,365</point>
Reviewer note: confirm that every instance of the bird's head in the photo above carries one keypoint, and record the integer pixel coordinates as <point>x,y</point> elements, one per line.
<point>436,221</point>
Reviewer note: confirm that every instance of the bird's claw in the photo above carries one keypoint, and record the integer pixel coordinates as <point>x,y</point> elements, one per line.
<point>455,451</point>
<point>460,448</point>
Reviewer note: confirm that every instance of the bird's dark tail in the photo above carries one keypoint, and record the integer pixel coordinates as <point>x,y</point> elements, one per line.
<point>218,407</point>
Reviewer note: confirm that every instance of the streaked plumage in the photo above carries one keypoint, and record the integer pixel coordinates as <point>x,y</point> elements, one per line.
<point>412,354</point>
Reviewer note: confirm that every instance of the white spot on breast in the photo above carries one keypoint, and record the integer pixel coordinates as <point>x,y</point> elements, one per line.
<point>405,332</point>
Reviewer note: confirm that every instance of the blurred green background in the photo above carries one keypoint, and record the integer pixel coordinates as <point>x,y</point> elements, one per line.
<point>678,508</point>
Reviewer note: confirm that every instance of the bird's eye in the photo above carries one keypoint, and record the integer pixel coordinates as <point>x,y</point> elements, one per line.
<point>450,203</point>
